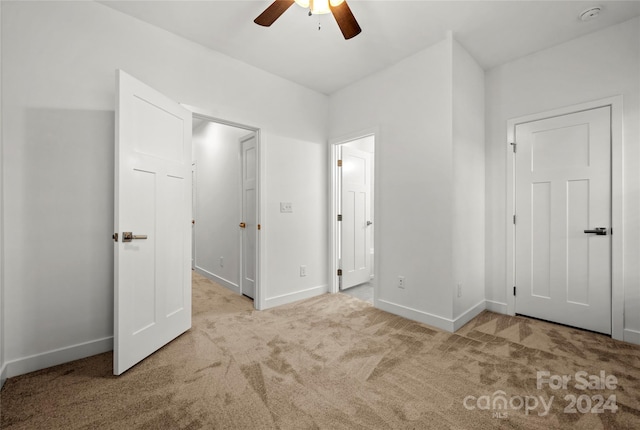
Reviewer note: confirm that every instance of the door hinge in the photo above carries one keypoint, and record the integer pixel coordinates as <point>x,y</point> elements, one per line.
<point>259,227</point>
<point>514,290</point>
<point>339,272</point>
<point>115,237</point>
<point>513,146</point>
<point>339,217</point>
<point>514,218</point>
<point>339,163</point>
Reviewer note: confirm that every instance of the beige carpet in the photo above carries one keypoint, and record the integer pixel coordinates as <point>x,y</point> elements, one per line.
<point>334,362</point>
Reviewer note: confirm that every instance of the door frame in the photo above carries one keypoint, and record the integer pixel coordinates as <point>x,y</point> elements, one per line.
<point>334,183</point>
<point>617,269</point>
<point>198,113</point>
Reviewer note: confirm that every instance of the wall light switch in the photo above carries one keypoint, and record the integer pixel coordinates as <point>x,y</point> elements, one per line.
<point>286,207</point>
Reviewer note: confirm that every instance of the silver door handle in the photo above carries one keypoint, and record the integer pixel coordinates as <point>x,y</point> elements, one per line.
<point>127,236</point>
<point>369,223</point>
<point>600,231</point>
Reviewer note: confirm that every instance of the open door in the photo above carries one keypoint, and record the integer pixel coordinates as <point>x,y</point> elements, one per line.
<point>152,279</point>
<point>249,216</point>
<point>356,217</point>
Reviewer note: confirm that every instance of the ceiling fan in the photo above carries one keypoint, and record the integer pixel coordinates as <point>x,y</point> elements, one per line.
<point>339,8</point>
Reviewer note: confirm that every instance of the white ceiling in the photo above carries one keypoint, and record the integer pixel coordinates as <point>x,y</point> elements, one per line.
<point>494,32</point>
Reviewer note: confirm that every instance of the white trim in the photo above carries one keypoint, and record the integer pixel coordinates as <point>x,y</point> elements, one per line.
<point>416,315</point>
<point>333,147</point>
<point>218,279</point>
<point>194,206</point>
<point>497,307</point>
<point>2,253</point>
<point>617,226</point>
<point>285,299</point>
<point>213,116</point>
<point>617,203</point>
<point>259,299</point>
<point>58,356</point>
<point>470,314</point>
<point>632,336</point>
<point>443,323</point>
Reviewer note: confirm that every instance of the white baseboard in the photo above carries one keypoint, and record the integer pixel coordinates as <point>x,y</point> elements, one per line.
<point>497,307</point>
<point>295,296</point>
<point>468,315</point>
<point>218,280</point>
<point>447,324</point>
<point>631,336</point>
<point>35,362</point>
<point>415,315</point>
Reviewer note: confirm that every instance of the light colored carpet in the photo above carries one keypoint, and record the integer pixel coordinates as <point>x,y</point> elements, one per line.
<point>333,362</point>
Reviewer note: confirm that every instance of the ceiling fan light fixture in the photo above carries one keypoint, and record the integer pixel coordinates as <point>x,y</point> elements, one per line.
<point>319,7</point>
<point>338,8</point>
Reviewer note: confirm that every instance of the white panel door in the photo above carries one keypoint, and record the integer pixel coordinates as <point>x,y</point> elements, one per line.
<point>563,187</point>
<point>152,276</point>
<point>356,211</point>
<point>249,216</point>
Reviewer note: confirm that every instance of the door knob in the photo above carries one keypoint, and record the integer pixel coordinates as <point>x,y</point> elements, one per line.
<point>369,223</point>
<point>127,236</point>
<point>242,225</point>
<point>599,231</point>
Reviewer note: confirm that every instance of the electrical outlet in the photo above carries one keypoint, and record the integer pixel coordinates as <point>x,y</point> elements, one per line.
<point>303,271</point>
<point>221,261</point>
<point>286,207</point>
<point>459,290</point>
<point>401,282</point>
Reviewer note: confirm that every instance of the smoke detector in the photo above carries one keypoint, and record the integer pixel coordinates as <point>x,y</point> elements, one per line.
<point>590,14</point>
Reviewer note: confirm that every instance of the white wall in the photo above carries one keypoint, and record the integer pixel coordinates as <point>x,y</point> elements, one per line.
<point>592,67</point>
<point>468,182</point>
<point>218,209</point>
<point>412,105</point>
<point>58,62</point>
<point>297,174</point>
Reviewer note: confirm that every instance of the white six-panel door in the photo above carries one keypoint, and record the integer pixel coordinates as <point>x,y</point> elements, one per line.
<point>356,213</point>
<point>563,187</point>
<point>152,275</point>
<point>249,216</point>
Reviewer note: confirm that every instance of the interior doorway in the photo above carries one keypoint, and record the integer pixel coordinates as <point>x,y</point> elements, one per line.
<point>353,215</point>
<point>226,204</point>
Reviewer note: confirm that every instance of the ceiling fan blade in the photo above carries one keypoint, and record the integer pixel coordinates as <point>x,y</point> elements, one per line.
<point>273,12</point>
<point>345,19</point>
